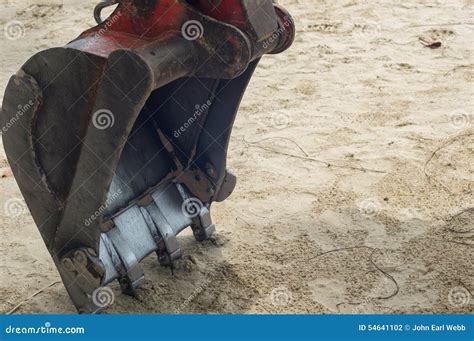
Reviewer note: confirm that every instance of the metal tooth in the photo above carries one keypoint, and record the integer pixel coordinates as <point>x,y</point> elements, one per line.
<point>202,234</point>
<point>128,286</point>
<point>202,226</point>
<point>141,230</point>
<point>164,255</point>
<point>165,230</point>
<point>131,274</point>
<point>150,226</point>
<point>155,232</point>
<point>164,259</point>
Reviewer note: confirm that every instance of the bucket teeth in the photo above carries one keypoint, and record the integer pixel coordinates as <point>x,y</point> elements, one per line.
<point>202,226</point>
<point>118,141</point>
<point>155,229</point>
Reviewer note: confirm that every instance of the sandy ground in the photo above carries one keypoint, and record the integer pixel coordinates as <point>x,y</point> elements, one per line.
<point>355,157</point>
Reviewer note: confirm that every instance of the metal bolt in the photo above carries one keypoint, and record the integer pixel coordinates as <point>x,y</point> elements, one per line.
<point>68,265</point>
<point>80,257</point>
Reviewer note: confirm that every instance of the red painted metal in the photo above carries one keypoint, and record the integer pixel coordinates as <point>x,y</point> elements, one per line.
<point>136,23</point>
<point>133,26</point>
<point>229,11</point>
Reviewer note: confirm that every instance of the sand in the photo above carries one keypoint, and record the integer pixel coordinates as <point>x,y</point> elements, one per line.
<point>355,157</point>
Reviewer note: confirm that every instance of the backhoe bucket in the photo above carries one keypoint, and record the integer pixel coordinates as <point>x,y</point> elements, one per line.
<point>118,140</point>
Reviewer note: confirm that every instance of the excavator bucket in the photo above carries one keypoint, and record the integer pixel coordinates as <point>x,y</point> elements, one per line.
<point>118,141</point>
